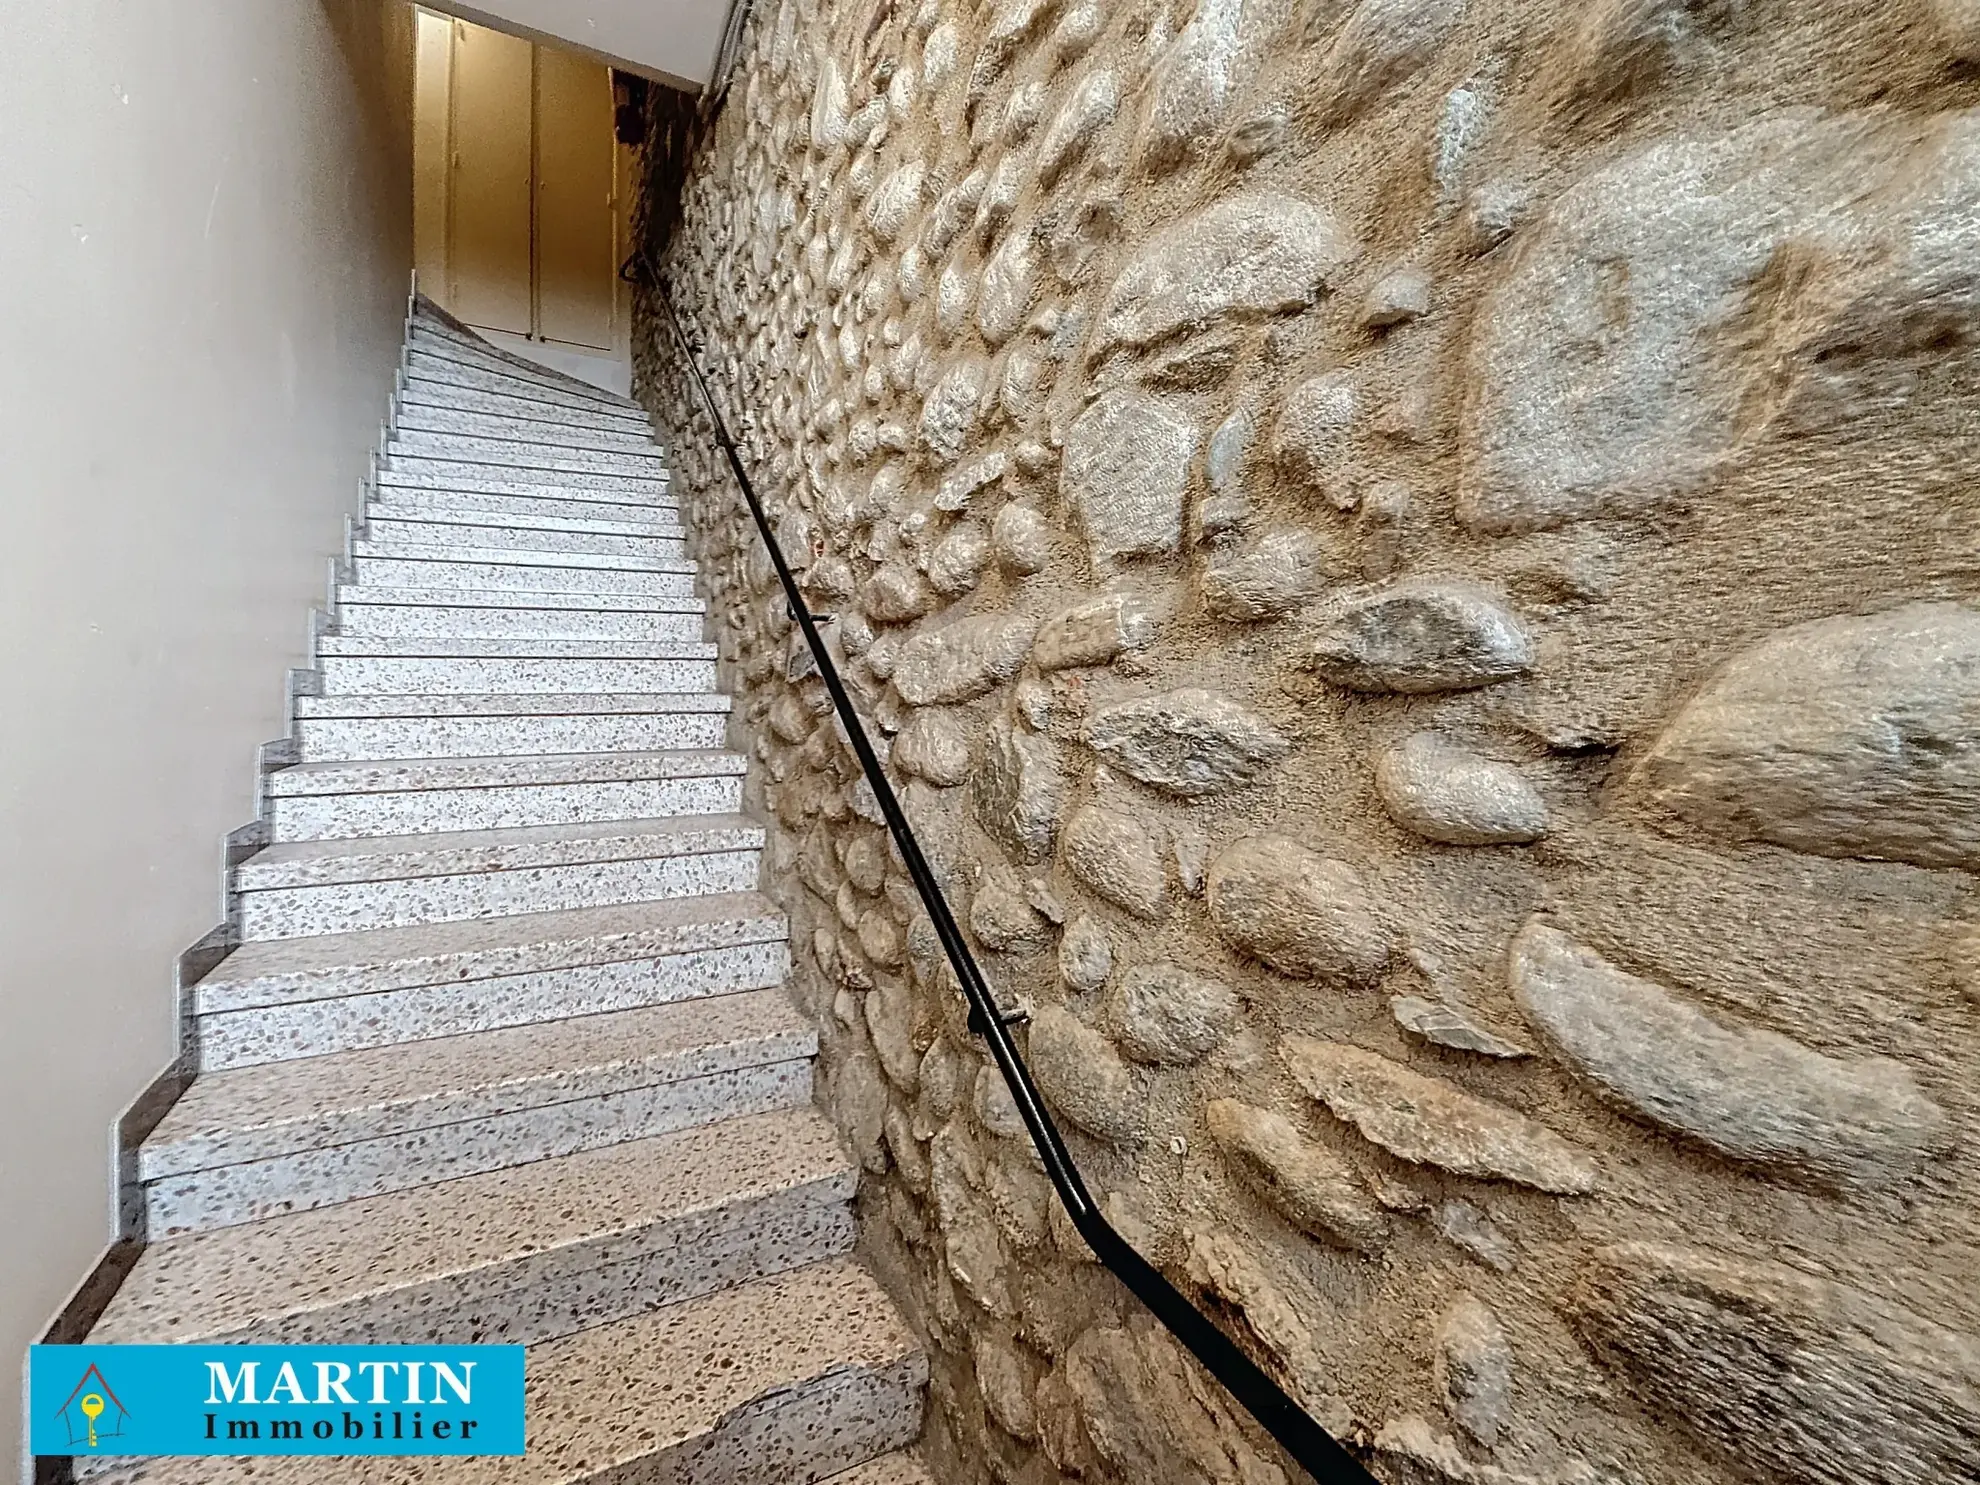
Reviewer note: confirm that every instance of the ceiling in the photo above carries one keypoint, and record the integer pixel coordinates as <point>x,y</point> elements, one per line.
<point>673,41</point>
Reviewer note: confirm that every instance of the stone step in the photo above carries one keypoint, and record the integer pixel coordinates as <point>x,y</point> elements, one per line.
<point>575,432</point>
<point>407,666</point>
<point>386,531</point>
<point>523,450</point>
<point>443,522</point>
<point>258,1142</point>
<point>440,620</point>
<point>490,479</point>
<point>788,1380</point>
<point>303,888</point>
<point>445,553</point>
<point>454,365</point>
<point>472,350</point>
<point>331,728</point>
<point>521,402</point>
<point>425,469</point>
<point>891,1469</point>
<point>517,1255</point>
<point>422,504</point>
<point>343,800</point>
<point>274,1000</point>
<point>518,572</point>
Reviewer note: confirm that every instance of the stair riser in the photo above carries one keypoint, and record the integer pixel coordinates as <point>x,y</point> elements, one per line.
<point>523,480</point>
<point>506,577</point>
<point>344,1170</point>
<point>377,675</point>
<point>536,450</point>
<point>346,907</point>
<point>526,539</point>
<point>546,1295</point>
<point>348,1023</point>
<point>351,816</point>
<point>803,1434</point>
<point>576,431</point>
<point>444,371</point>
<point>409,621</point>
<point>385,738</point>
<point>396,500</point>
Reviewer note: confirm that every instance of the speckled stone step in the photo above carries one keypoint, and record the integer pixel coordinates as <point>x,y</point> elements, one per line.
<point>420,468</point>
<point>789,1380</point>
<point>419,503</point>
<point>312,887</point>
<point>446,343</point>
<point>578,431</point>
<point>386,665</point>
<point>388,530</point>
<point>518,572</point>
<point>893,1469</point>
<point>457,366</point>
<point>524,450</point>
<point>454,524</point>
<point>276,1000</point>
<point>410,613</point>
<point>330,728</point>
<point>334,801</point>
<point>521,402</point>
<point>522,1254</point>
<point>258,1142</point>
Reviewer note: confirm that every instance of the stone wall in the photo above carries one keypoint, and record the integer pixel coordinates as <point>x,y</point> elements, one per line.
<point>1416,566</point>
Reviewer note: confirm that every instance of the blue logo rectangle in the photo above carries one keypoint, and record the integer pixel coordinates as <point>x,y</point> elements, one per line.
<point>185,1400</point>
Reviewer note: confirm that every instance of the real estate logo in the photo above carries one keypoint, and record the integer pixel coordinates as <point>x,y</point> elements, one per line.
<point>276,1399</point>
<point>92,1413</point>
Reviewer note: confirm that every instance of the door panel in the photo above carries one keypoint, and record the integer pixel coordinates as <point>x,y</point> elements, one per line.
<point>431,146</point>
<point>575,166</point>
<point>490,256</point>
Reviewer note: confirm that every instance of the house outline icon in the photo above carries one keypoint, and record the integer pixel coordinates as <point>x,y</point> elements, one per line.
<point>109,1423</point>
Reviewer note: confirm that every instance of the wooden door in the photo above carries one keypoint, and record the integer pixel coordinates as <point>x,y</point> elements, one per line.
<point>490,255</point>
<point>576,166</point>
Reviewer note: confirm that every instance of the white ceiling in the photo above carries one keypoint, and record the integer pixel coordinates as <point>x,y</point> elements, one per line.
<point>671,40</point>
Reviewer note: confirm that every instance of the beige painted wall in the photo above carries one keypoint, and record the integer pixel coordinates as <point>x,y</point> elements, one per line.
<point>205,232</point>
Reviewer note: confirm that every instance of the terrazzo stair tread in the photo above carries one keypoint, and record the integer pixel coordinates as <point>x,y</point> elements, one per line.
<point>475,351</point>
<point>794,1379</point>
<point>419,503</point>
<point>512,704</point>
<point>451,520</point>
<point>522,448</point>
<point>442,553</point>
<point>351,798</point>
<point>405,857</point>
<point>520,1254</point>
<point>389,482</point>
<point>442,376</point>
<point>475,675</point>
<point>389,882</point>
<point>353,595</point>
<point>892,1469</point>
<point>572,621</point>
<point>495,532</point>
<point>277,972</point>
<point>352,726</point>
<point>575,432</point>
<point>416,391</point>
<point>450,361</point>
<point>523,577</point>
<point>518,479</point>
<point>364,646</point>
<point>254,1113</point>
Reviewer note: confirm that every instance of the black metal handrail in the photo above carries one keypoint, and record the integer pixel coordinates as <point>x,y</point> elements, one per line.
<point>1317,1452</point>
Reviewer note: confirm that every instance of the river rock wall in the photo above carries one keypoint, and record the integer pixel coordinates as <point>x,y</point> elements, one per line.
<point>1417,566</point>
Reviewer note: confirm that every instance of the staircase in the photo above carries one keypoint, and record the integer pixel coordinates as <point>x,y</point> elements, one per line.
<point>502,1053</point>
